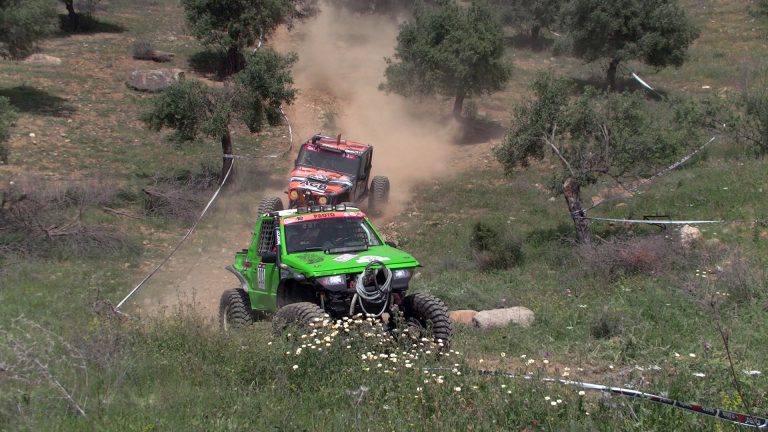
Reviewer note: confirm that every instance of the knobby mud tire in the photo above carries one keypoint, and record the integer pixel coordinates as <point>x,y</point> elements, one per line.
<point>431,314</point>
<point>379,195</point>
<point>268,205</point>
<point>301,314</point>
<point>235,310</point>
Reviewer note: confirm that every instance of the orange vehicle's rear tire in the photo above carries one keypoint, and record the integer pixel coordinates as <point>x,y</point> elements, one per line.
<point>379,195</point>
<point>268,205</point>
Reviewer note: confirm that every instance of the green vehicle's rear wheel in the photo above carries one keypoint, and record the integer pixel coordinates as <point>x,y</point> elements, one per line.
<point>425,313</point>
<point>235,309</point>
<point>302,314</point>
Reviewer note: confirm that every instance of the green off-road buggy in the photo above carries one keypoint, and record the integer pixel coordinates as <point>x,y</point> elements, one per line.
<point>307,262</point>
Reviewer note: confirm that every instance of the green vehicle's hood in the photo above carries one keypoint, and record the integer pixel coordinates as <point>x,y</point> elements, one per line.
<point>321,264</point>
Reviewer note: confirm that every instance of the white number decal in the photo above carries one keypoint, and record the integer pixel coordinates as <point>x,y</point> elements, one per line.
<point>261,275</point>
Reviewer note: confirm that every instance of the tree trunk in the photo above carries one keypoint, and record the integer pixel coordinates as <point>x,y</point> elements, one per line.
<point>572,192</point>
<point>535,32</point>
<point>227,158</point>
<point>458,104</point>
<point>74,21</point>
<point>233,62</point>
<point>612,74</point>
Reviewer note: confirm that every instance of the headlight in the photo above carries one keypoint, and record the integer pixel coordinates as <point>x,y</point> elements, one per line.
<point>293,194</point>
<point>401,274</point>
<point>332,281</point>
<point>322,200</point>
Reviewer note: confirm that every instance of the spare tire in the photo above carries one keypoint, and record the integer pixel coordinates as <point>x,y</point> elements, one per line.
<point>269,205</point>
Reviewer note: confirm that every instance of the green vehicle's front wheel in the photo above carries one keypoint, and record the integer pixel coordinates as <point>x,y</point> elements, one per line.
<point>302,314</point>
<point>426,313</point>
<point>235,309</point>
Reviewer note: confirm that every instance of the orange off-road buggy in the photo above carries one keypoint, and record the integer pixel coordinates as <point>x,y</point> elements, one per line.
<point>332,170</point>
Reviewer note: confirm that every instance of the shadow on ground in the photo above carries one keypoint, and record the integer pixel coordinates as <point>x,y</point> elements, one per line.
<point>525,41</point>
<point>477,130</point>
<point>35,101</point>
<point>86,25</point>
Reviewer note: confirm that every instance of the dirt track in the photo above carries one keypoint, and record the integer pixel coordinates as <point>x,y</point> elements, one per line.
<point>339,70</point>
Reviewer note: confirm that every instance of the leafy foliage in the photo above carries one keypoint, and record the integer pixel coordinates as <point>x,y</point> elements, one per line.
<point>233,25</point>
<point>492,249</point>
<point>7,115</point>
<point>655,31</point>
<point>451,51</point>
<point>24,22</point>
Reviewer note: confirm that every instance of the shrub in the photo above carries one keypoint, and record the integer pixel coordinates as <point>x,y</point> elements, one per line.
<point>617,257</point>
<point>7,115</point>
<point>42,220</point>
<point>606,324</point>
<point>142,50</point>
<point>493,250</point>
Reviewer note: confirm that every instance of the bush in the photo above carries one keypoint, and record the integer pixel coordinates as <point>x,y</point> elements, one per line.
<point>606,324</point>
<point>617,257</point>
<point>7,115</point>
<point>493,250</point>
<point>142,49</point>
<point>41,220</point>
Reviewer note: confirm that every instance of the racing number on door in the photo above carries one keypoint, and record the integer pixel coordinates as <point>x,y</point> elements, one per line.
<point>261,274</point>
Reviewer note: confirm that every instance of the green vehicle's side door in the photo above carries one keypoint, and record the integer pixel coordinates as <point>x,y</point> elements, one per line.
<point>263,277</point>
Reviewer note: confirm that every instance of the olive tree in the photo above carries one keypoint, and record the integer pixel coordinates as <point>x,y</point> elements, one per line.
<point>657,32</point>
<point>253,96</point>
<point>449,50</point>
<point>24,22</point>
<point>594,136</point>
<point>232,25</point>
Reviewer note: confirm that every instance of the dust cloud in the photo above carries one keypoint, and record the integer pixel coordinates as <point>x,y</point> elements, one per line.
<point>342,55</point>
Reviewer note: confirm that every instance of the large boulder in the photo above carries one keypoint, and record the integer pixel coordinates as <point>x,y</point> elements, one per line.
<point>463,316</point>
<point>154,80</point>
<point>495,318</point>
<point>42,59</point>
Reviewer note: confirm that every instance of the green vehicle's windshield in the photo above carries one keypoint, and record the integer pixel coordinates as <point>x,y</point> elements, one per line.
<point>329,234</point>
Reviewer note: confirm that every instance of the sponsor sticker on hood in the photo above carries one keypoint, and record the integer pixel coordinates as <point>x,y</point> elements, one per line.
<point>368,258</point>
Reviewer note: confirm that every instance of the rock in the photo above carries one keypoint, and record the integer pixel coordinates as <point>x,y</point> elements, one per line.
<point>154,80</point>
<point>463,316</point>
<point>495,318</point>
<point>42,59</point>
<point>154,55</point>
<point>688,235</point>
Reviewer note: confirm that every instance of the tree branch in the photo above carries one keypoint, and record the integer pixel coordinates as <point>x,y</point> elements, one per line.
<point>551,143</point>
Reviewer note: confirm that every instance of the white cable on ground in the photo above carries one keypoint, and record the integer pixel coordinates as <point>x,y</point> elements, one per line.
<point>656,222</point>
<point>756,422</point>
